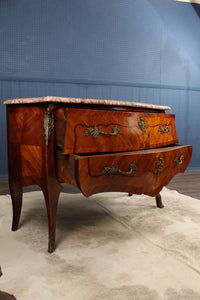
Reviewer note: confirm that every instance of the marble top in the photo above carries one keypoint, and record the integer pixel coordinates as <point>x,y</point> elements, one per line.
<point>85,101</point>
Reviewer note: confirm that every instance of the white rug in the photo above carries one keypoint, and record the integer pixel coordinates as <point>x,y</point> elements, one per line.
<point>109,247</point>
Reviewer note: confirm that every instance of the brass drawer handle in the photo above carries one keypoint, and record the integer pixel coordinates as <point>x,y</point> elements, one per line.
<point>180,161</point>
<point>166,129</point>
<point>97,130</point>
<point>115,170</point>
<point>142,125</point>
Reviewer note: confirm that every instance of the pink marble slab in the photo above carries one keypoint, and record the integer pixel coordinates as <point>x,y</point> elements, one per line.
<point>85,101</point>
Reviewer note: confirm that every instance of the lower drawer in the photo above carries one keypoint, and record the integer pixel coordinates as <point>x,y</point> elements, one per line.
<point>137,172</point>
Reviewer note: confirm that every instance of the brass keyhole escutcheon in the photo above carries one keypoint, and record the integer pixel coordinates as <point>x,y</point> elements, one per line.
<point>142,125</point>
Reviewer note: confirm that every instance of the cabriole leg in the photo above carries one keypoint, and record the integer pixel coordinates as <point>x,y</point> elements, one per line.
<point>159,201</point>
<point>51,193</point>
<point>16,196</point>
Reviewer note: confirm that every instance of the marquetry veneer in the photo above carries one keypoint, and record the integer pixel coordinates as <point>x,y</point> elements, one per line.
<point>96,145</point>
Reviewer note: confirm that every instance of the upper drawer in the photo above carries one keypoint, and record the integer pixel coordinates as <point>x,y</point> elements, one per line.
<point>87,131</point>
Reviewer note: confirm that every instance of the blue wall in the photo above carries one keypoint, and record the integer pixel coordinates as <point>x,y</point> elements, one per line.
<point>136,50</point>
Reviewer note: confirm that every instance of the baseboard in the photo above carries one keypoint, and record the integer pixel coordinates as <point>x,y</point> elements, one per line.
<point>3,176</point>
<point>193,169</point>
<point>190,169</point>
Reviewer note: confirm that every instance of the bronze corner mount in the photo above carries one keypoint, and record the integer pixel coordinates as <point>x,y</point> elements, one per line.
<point>48,125</point>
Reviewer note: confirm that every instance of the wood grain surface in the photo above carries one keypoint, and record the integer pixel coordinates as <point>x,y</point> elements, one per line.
<point>87,131</point>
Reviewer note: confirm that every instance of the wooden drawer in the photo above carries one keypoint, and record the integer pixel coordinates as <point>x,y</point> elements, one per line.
<point>138,172</point>
<point>89,131</point>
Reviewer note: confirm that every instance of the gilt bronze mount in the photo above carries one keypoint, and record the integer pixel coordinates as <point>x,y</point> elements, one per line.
<point>114,170</point>
<point>166,129</point>
<point>48,125</point>
<point>159,165</point>
<point>96,131</point>
<point>180,161</point>
<point>142,125</point>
